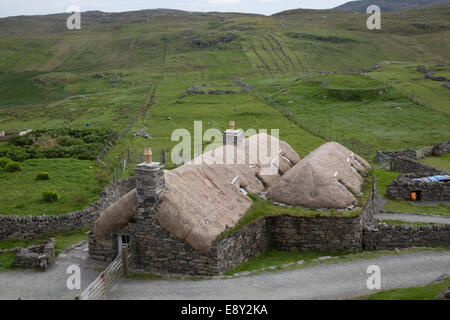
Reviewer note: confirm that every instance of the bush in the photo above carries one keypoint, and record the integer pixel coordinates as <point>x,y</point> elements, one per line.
<point>21,141</point>
<point>42,176</point>
<point>13,167</point>
<point>49,196</point>
<point>4,161</point>
<point>66,141</point>
<point>15,153</point>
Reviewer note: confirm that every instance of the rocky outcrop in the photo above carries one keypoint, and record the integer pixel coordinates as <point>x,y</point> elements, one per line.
<point>441,148</point>
<point>142,133</point>
<point>430,75</point>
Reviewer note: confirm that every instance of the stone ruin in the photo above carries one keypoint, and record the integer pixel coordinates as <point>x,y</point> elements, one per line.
<point>404,185</point>
<point>40,256</point>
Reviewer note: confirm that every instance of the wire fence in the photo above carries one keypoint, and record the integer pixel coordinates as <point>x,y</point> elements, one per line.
<point>132,157</point>
<point>410,94</point>
<point>323,132</point>
<point>107,147</point>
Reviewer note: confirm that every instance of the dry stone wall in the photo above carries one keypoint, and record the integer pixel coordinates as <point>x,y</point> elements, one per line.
<point>40,256</point>
<point>36,226</point>
<point>403,186</point>
<point>405,165</point>
<point>387,237</point>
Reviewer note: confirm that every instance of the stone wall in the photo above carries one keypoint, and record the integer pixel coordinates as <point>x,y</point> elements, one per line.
<point>315,234</point>
<point>405,165</point>
<point>157,251</point>
<point>441,148</point>
<point>436,149</point>
<point>405,153</point>
<point>403,186</point>
<point>40,256</point>
<point>322,233</point>
<point>387,237</point>
<point>36,226</point>
<point>104,250</point>
<point>246,242</point>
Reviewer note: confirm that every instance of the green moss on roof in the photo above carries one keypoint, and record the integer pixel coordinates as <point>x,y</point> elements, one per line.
<point>265,208</point>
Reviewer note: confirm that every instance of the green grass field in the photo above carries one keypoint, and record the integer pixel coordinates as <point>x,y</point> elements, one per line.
<point>441,162</point>
<point>75,181</point>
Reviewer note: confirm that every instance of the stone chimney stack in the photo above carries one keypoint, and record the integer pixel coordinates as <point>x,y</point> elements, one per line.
<point>232,136</point>
<point>149,181</point>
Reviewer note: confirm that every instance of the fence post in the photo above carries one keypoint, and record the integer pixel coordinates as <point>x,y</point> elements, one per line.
<point>125,258</point>
<point>163,155</point>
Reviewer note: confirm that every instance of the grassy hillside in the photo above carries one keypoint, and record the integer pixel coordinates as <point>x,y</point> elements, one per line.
<point>389,5</point>
<point>132,70</point>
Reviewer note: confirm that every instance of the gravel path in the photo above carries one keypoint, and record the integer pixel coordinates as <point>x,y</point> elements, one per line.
<point>331,281</point>
<point>318,282</point>
<point>412,217</point>
<point>51,284</point>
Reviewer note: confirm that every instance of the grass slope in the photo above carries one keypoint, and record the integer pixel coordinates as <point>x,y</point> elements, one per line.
<point>75,181</point>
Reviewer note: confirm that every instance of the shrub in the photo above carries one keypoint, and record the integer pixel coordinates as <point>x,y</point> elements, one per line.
<point>21,141</point>
<point>42,176</point>
<point>49,196</point>
<point>66,141</point>
<point>13,166</point>
<point>4,161</point>
<point>15,153</point>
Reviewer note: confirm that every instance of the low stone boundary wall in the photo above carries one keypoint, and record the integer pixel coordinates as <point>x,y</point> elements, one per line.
<point>36,226</point>
<point>405,165</point>
<point>406,153</point>
<point>416,153</point>
<point>387,237</point>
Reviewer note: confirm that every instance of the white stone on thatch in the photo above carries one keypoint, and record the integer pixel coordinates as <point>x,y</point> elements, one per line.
<point>202,200</point>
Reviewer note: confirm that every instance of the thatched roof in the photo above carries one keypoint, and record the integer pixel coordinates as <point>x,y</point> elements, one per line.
<point>116,216</point>
<point>201,201</point>
<point>325,178</point>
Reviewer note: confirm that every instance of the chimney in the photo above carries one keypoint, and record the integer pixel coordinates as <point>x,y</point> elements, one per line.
<point>232,136</point>
<point>149,181</point>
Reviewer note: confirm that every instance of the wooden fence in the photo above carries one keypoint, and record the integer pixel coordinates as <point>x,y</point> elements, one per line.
<point>99,289</point>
